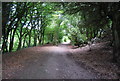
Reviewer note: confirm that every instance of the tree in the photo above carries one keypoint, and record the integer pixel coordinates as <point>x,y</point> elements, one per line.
<point>99,15</point>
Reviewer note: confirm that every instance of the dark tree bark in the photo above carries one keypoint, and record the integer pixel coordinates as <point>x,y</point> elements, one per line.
<point>116,38</point>
<point>5,17</point>
<point>35,38</point>
<point>19,16</point>
<point>21,32</point>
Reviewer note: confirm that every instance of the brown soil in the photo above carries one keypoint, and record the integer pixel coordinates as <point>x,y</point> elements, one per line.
<point>99,59</point>
<point>62,61</point>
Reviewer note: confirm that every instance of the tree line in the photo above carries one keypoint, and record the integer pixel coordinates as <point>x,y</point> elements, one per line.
<point>25,21</point>
<point>96,17</point>
<point>28,24</point>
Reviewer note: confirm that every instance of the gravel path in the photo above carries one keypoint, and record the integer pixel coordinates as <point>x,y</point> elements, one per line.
<point>53,63</point>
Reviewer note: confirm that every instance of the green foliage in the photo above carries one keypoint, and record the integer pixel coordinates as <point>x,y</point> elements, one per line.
<point>31,24</point>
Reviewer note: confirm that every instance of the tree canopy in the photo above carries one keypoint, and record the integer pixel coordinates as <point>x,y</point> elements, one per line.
<point>28,24</point>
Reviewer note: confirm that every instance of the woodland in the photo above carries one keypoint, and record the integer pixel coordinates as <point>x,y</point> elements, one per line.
<point>28,24</point>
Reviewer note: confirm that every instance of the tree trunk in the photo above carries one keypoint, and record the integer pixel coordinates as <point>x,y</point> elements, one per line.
<point>87,33</point>
<point>116,38</point>
<point>6,7</point>
<point>29,39</point>
<point>12,40</point>
<point>35,38</point>
<point>20,42</point>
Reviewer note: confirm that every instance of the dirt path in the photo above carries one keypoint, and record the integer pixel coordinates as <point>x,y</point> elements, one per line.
<point>51,63</point>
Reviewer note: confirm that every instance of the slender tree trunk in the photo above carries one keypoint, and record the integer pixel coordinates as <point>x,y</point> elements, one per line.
<point>35,38</point>
<point>24,40</point>
<point>43,35</point>
<point>29,39</point>
<point>87,33</point>
<point>12,40</point>
<point>91,33</point>
<point>20,43</point>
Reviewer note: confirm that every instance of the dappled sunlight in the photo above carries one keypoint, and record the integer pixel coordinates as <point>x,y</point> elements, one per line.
<point>66,40</point>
